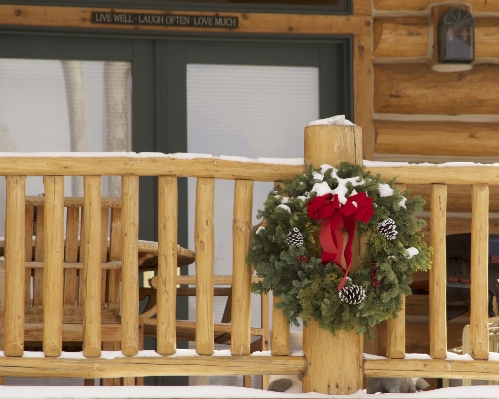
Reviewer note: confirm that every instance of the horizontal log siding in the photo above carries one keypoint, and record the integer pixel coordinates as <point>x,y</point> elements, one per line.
<point>420,5</point>
<point>436,138</point>
<point>409,37</point>
<point>400,37</point>
<point>417,89</point>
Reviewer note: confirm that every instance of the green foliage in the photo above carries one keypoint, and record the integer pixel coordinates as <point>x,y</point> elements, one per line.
<point>307,288</point>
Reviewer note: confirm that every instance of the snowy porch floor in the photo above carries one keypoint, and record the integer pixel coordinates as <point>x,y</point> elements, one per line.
<point>88,392</point>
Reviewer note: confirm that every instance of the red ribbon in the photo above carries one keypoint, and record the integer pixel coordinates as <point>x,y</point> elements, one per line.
<point>336,217</point>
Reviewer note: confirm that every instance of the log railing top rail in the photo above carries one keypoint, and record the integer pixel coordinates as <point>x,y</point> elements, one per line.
<point>89,164</point>
<point>449,173</point>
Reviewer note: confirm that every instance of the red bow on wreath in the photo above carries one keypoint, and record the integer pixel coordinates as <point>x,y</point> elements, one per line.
<point>336,217</point>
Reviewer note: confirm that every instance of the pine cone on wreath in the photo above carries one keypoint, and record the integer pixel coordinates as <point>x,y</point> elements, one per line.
<point>295,237</point>
<point>387,228</point>
<point>353,294</point>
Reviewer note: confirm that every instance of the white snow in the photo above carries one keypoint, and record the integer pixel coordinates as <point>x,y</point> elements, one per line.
<point>402,202</point>
<point>323,188</point>
<point>382,164</point>
<point>411,252</point>
<point>334,120</point>
<point>285,207</point>
<point>88,392</point>
<point>385,190</point>
<point>141,155</point>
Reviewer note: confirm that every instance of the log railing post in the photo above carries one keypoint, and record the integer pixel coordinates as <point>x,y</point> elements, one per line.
<point>334,362</point>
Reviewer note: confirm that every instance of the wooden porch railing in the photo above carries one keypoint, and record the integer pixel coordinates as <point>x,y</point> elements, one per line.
<point>479,177</point>
<point>167,170</point>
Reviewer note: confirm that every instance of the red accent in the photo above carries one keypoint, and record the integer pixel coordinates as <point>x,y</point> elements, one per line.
<point>336,217</point>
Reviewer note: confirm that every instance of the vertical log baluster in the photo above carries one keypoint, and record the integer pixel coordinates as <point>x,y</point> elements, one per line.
<point>167,264</point>
<point>130,266</point>
<point>438,272</point>
<point>204,241</point>
<point>241,271</point>
<point>53,278</point>
<point>479,271</point>
<point>280,331</point>
<point>395,328</point>
<point>14,266</point>
<point>91,247</point>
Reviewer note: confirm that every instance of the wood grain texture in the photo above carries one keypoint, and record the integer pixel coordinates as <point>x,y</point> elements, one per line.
<point>419,5</point>
<point>331,145</point>
<point>436,138</point>
<point>167,264</point>
<point>363,91</point>
<point>14,271</point>
<point>91,248</point>
<point>409,36</point>
<point>143,366</point>
<point>487,37</point>
<point>241,271</point>
<point>204,243</point>
<point>362,7</point>
<point>438,273</point>
<point>281,343</point>
<point>417,89</point>
<point>479,332</point>
<point>53,271</point>
<point>117,166</point>
<point>78,17</point>
<point>400,37</point>
<point>457,175</point>
<point>324,354</point>
<point>130,269</point>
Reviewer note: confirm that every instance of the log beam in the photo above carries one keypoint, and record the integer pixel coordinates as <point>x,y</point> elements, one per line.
<point>417,89</point>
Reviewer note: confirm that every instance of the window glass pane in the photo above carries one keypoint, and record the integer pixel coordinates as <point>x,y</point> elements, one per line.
<point>61,105</point>
<point>248,111</point>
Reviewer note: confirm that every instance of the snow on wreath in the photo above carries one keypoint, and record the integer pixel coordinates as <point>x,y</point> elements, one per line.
<point>303,248</point>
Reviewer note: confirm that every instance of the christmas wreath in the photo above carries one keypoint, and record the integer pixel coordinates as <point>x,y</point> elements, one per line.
<point>303,247</point>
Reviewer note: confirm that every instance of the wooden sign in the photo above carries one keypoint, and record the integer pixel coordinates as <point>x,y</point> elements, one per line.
<point>126,18</point>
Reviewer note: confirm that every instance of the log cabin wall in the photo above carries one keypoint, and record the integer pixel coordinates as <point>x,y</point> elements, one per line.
<point>427,112</point>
